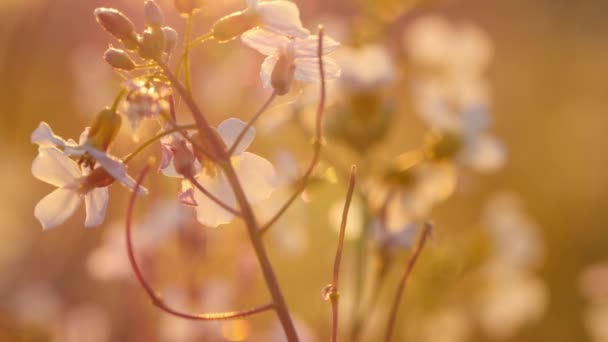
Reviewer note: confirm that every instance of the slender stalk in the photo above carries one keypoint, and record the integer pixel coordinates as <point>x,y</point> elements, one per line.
<point>153,295</point>
<point>150,141</point>
<point>334,293</point>
<point>317,143</point>
<point>247,213</point>
<point>117,100</point>
<point>251,123</point>
<point>188,35</point>
<point>408,269</point>
<point>212,197</point>
<point>201,39</point>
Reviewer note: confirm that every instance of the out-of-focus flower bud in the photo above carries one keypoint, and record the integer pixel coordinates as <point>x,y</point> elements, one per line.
<point>183,159</point>
<point>153,15</point>
<point>118,25</point>
<point>442,146</point>
<point>119,59</point>
<point>152,43</point>
<point>170,39</point>
<point>233,25</point>
<point>187,6</point>
<point>282,75</point>
<point>104,129</point>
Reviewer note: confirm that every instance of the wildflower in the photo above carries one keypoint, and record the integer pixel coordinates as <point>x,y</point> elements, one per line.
<point>113,168</point>
<point>365,68</point>
<point>291,58</point>
<point>145,100</point>
<point>256,174</point>
<point>279,16</point>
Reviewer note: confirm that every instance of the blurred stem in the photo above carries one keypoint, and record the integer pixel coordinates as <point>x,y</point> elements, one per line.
<point>251,123</point>
<point>212,197</point>
<point>408,270</point>
<point>150,141</point>
<point>334,293</point>
<point>201,39</point>
<point>152,294</point>
<point>117,100</point>
<point>188,36</point>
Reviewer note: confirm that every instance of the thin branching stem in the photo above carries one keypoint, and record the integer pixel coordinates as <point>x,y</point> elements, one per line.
<point>317,143</point>
<point>152,294</point>
<point>408,269</point>
<point>251,123</point>
<point>150,141</point>
<point>212,197</point>
<point>334,294</point>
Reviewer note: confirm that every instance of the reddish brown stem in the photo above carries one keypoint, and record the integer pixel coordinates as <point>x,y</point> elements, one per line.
<point>334,294</point>
<point>155,297</point>
<point>408,269</point>
<point>317,143</point>
<point>213,197</point>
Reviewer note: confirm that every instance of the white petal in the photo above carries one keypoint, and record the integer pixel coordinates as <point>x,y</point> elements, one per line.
<point>309,47</point>
<point>44,136</point>
<point>266,70</point>
<point>84,135</point>
<point>257,176</point>
<point>56,207</point>
<point>96,202</point>
<point>307,69</point>
<point>252,4</point>
<point>115,167</point>
<point>266,42</point>
<point>230,129</point>
<point>208,212</point>
<point>53,167</point>
<point>282,17</point>
<point>487,154</point>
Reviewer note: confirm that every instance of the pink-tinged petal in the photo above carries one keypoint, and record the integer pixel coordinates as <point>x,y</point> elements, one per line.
<point>186,197</point>
<point>115,167</point>
<point>55,168</point>
<point>208,212</point>
<point>266,70</point>
<point>257,176</point>
<point>44,136</point>
<point>486,154</point>
<point>96,202</point>
<point>265,42</point>
<point>282,17</point>
<point>307,69</point>
<point>56,207</point>
<point>309,47</point>
<point>166,156</point>
<point>84,135</point>
<point>230,129</point>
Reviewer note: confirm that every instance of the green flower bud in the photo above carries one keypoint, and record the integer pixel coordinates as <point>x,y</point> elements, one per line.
<point>233,25</point>
<point>153,15</point>
<point>187,6</point>
<point>152,43</point>
<point>443,145</point>
<point>117,24</point>
<point>170,39</point>
<point>119,59</point>
<point>104,129</point>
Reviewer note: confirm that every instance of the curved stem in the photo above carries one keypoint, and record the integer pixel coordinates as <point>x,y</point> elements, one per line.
<point>153,295</point>
<point>317,143</point>
<point>212,197</point>
<point>334,294</point>
<point>251,123</point>
<point>408,269</point>
<point>150,141</point>
<point>201,39</point>
<point>117,100</point>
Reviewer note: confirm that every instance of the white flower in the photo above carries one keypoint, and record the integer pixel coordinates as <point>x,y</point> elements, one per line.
<point>282,17</point>
<point>145,100</point>
<point>256,175</point>
<point>365,68</point>
<point>44,137</point>
<point>291,58</point>
<point>55,168</point>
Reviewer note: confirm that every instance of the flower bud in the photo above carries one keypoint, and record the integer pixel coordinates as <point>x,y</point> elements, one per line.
<point>153,15</point>
<point>442,146</point>
<point>152,43</point>
<point>119,59</point>
<point>183,159</point>
<point>233,25</point>
<point>170,39</point>
<point>104,129</point>
<point>187,6</point>
<point>117,24</point>
<point>98,178</point>
<point>282,75</point>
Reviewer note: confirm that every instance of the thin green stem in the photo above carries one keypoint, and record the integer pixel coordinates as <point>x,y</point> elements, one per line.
<point>117,100</point>
<point>251,123</point>
<point>201,39</point>
<point>150,141</point>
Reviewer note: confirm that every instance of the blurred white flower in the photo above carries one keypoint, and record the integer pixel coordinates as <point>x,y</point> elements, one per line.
<point>595,318</point>
<point>39,295</point>
<point>593,283</point>
<point>448,324</point>
<point>256,175</point>
<point>291,58</point>
<point>85,322</point>
<point>365,68</point>
<point>282,17</point>
<point>145,100</point>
